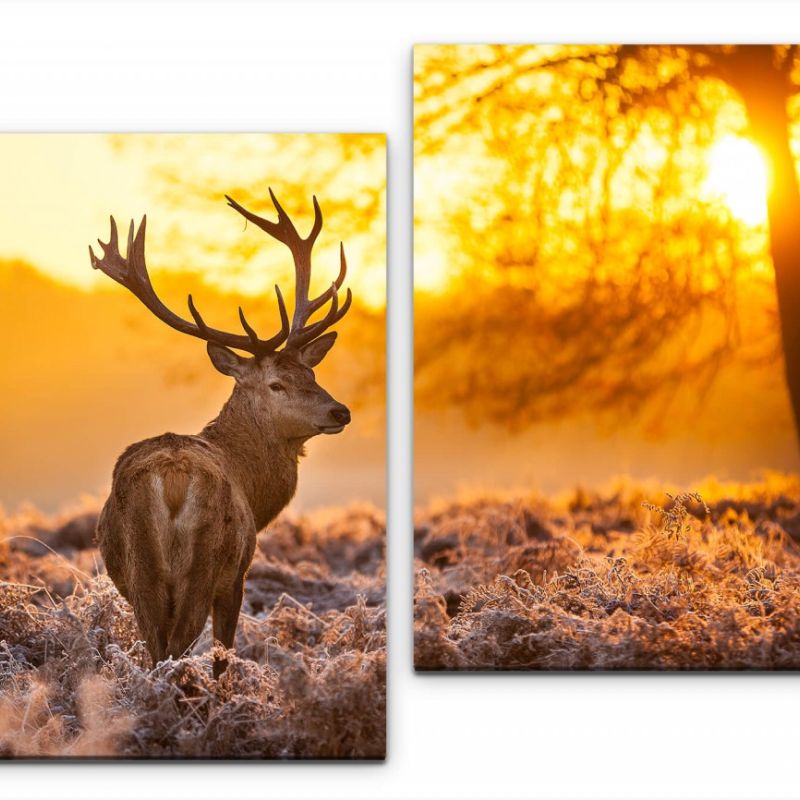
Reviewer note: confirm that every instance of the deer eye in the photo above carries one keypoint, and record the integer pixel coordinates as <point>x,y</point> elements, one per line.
<point>277,387</point>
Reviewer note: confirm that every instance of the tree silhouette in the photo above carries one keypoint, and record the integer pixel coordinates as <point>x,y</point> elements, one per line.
<point>585,269</point>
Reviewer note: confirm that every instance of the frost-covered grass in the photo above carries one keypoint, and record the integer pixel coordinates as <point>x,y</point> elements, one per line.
<point>630,579</point>
<point>306,680</point>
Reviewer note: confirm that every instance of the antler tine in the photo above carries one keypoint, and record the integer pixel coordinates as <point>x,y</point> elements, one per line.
<point>248,328</point>
<point>284,231</point>
<point>199,321</point>
<point>301,337</point>
<point>131,272</point>
<point>113,239</point>
<point>320,301</point>
<point>286,224</point>
<point>112,263</point>
<point>280,337</point>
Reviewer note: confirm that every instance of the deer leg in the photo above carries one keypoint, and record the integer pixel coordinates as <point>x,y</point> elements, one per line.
<point>156,641</point>
<point>190,617</point>
<point>151,610</point>
<point>226,616</point>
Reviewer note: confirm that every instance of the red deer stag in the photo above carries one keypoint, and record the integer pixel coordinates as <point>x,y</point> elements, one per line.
<point>178,530</point>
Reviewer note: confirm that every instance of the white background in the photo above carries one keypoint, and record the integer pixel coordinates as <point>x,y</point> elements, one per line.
<point>331,66</point>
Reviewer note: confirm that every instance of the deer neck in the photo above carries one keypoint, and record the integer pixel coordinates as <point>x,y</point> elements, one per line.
<point>261,462</point>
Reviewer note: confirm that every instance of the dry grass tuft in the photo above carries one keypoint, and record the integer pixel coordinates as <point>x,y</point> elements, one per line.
<point>306,679</point>
<point>708,580</point>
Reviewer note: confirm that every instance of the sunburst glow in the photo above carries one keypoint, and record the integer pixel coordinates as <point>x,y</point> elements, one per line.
<point>737,177</point>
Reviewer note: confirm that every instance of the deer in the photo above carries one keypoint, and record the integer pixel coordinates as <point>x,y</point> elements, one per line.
<point>178,530</point>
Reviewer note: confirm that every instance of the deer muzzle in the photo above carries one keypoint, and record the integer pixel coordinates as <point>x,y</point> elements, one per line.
<point>339,416</point>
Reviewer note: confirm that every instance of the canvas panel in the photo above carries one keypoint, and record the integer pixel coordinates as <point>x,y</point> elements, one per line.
<point>106,642</point>
<point>607,357</point>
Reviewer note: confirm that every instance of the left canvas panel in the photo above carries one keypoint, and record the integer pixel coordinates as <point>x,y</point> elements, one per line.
<point>192,535</point>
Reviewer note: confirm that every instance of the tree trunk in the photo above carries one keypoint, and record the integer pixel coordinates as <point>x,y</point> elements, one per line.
<point>765,88</point>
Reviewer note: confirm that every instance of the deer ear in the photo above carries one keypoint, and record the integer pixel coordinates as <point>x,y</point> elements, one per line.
<point>226,361</point>
<point>314,352</point>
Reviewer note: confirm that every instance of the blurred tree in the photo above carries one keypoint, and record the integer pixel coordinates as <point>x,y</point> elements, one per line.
<point>191,175</point>
<point>585,269</point>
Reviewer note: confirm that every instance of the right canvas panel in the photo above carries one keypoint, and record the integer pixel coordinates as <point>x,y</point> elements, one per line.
<point>607,357</point>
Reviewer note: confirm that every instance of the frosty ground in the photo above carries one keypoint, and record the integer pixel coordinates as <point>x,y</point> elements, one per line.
<point>633,578</point>
<point>307,679</point>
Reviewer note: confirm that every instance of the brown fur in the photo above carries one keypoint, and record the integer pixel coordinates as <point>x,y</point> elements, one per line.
<point>175,482</point>
<point>178,531</point>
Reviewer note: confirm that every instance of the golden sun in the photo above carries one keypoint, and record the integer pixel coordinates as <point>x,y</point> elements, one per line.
<point>737,177</point>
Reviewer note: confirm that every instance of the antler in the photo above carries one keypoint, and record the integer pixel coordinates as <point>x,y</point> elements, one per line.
<point>131,272</point>
<point>284,231</point>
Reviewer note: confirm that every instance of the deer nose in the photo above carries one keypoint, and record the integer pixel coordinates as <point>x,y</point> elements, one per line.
<point>340,414</point>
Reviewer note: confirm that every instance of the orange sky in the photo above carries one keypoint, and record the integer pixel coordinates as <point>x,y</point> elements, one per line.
<point>66,185</point>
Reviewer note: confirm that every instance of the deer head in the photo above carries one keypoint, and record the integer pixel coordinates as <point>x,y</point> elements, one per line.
<point>277,384</point>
